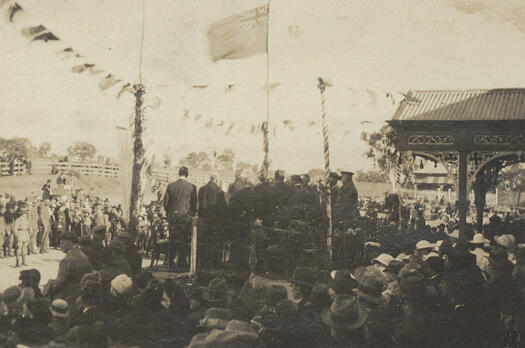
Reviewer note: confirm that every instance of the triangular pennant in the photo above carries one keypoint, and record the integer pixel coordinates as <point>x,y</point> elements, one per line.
<point>48,36</point>
<point>126,88</point>
<point>93,70</point>
<point>108,82</point>
<point>78,68</point>
<point>13,10</point>
<point>32,31</point>
<point>228,88</point>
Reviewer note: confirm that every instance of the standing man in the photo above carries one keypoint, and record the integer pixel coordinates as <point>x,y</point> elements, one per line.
<point>101,219</point>
<point>180,203</point>
<point>21,234</point>
<point>32,217</point>
<point>46,190</point>
<point>45,223</point>
<point>208,241</point>
<point>10,217</point>
<point>348,200</point>
<point>3,231</point>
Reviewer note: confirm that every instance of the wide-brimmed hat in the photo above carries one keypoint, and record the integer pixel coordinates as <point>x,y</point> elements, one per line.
<point>217,291</point>
<point>343,283</point>
<point>505,240</point>
<point>11,294</point>
<point>371,289</point>
<point>423,244</point>
<point>344,313</point>
<point>274,294</point>
<point>121,285</point>
<point>216,318</point>
<point>59,308</point>
<point>394,266</point>
<point>478,239</point>
<point>384,259</point>
<point>304,276</point>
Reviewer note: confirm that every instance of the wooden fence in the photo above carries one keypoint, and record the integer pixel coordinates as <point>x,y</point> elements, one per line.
<point>45,167</point>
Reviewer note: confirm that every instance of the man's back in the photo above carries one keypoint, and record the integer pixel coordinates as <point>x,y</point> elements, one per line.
<point>178,199</point>
<point>208,196</point>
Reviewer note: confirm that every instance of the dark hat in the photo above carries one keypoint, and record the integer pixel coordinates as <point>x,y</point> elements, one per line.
<point>411,270</point>
<point>344,313</point>
<point>371,289</point>
<point>274,294</point>
<point>394,266</point>
<point>319,296</point>
<point>216,318</point>
<point>217,291</point>
<point>343,283</point>
<point>304,276</point>
<point>12,294</point>
<point>334,176</point>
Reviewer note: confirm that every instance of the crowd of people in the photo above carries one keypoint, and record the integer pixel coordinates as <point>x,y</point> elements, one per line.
<point>434,291</point>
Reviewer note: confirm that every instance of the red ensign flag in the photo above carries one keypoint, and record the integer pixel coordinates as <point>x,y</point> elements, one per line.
<point>239,36</point>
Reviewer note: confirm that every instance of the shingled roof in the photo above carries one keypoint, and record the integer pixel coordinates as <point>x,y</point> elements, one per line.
<point>462,105</point>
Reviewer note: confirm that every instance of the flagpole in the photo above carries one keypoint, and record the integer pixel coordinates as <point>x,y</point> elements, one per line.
<point>139,152</point>
<point>326,152</point>
<point>266,128</point>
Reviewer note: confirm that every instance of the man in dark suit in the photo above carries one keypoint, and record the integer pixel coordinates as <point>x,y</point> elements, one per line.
<point>180,203</point>
<point>209,196</point>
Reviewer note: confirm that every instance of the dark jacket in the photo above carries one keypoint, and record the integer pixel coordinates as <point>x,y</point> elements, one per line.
<point>208,197</point>
<point>180,200</point>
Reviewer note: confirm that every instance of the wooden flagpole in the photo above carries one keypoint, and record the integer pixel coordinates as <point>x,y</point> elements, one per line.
<point>326,151</point>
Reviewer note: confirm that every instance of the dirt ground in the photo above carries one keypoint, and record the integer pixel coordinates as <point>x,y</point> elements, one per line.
<point>47,264</point>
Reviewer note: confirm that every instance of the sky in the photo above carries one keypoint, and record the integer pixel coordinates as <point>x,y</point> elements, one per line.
<point>366,49</point>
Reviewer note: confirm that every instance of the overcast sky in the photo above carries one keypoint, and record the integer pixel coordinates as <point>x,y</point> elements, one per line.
<point>365,48</point>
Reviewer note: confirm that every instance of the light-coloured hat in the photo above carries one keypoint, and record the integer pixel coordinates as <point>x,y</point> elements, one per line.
<point>505,240</point>
<point>59,308</point>
<point>479,238</point>
<point>431,254</point>
<point>121,285</point>
<point>384,259</point>
<point>423,244</point>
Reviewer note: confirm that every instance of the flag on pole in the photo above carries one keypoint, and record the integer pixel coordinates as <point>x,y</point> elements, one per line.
<point>32,31</point>
<point>108,82</point>
<point>240,36</point>
<point>47,36</point>
<point>13,9</point>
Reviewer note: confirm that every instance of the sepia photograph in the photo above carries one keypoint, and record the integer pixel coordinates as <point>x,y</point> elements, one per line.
<point>262,173</point>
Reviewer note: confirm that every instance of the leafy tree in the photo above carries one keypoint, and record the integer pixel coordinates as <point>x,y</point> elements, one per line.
<point>44,149</point>
<point>316,174</point>
<point>196,160</point>
<point>82,150</point>
<point>387,159</point>
<point>243,166</point>
<point>513,178</point>
<point>15,149</point>
<point>370,176</point>
<point>225,160</point>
